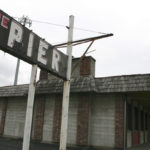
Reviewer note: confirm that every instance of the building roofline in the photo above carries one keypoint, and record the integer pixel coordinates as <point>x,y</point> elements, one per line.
<point>113,84</point>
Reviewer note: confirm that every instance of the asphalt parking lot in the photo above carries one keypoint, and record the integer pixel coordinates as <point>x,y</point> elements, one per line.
<point>141,147</point>
<point>16,144</point>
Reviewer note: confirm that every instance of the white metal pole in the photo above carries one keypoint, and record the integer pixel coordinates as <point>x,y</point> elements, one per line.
<point>24,21</point>
<point>66,91</point>
<point>17,71</point>
<point>29,110</point>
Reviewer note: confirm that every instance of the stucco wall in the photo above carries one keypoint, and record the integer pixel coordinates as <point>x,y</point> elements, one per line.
<point>72,120</point>
<point>102,121</point>
<point>146,136</point>
<point>129,138</point>
<point>141,137</point>
<point>49,116</point>
<point>34,117</point>
<point>15,117</point>
<point>48,119</point>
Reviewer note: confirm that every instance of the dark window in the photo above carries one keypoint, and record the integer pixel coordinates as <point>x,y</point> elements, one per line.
<point>146,121</point>
<point>129,115</point>
<point>136,118</point>
<point>142,120</point>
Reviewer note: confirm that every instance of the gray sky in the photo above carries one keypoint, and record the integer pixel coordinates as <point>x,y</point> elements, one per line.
<point>127,52</point>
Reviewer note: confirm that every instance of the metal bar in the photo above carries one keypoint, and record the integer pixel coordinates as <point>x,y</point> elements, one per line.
<point>29,110</point>
<point>84,40</point>
<point>17,71</point>
<point>66,91</point>
<point>74,67</point>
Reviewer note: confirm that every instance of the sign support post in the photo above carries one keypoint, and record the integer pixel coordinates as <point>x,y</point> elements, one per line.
<point>17,71</point>
<point>29,111</point>
<point>66,91</point>
<point>25,20</point>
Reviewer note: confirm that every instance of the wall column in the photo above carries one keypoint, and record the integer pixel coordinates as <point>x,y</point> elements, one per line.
<point>133,122</point>
<point>39,118</point>
<point>144,123</point>
<point>57,119</point>
<point>119,123</point>
<point>148,126</point>
<point>139,116</point>
<point>2,121</point>
<point>83,121</point>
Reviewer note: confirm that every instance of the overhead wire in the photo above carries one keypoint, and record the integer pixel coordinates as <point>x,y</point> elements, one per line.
<point>65,26</point>
<point>88,30</point>
<point>76,28</point>
<point>50,23</point>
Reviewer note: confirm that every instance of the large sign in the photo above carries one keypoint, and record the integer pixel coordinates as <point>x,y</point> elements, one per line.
<point>21,42</point>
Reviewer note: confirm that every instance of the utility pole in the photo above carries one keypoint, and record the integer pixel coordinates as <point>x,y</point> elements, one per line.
<point>24,20</point>
<point>66,91</point>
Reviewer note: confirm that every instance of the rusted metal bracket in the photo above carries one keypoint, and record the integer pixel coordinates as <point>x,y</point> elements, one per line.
<point>77,42</point>
<point>74,67</point>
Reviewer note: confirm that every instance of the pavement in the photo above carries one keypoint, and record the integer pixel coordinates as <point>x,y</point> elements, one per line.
<point>16,144</point>
<point>141,147</point>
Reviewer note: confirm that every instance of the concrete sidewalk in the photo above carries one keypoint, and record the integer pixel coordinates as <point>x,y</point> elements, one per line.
<point>141,147</point>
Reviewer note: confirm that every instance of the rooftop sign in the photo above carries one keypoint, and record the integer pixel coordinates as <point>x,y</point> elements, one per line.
<point>21,42</point>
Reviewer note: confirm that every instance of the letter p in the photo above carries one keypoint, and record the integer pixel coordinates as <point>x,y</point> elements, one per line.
<point>15,33</point>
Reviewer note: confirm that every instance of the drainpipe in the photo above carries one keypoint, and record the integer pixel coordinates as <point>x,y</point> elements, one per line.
<point>125,122</point>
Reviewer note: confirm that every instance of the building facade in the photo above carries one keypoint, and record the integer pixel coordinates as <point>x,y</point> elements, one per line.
<point>108,112</point>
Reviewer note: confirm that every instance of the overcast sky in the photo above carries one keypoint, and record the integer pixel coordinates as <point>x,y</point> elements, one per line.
<point>127,52</point>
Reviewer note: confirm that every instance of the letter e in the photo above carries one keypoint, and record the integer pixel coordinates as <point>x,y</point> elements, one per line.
<point>42,52</point>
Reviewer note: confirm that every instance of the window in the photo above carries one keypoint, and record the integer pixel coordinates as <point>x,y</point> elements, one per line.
<point>142,120</point>
<point>146,121</point>
<point>129,115</point>
<point>136,118</point>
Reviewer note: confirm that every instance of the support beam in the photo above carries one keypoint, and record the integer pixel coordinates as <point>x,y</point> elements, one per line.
<point>17,71</point>
<point>29,111</point>
<point>66,92</point>
<point>83,40</point>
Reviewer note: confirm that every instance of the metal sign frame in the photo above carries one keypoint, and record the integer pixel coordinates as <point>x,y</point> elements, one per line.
<point>21,42</point>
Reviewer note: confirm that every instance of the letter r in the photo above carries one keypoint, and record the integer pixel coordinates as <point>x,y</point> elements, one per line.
<point>55,60</point>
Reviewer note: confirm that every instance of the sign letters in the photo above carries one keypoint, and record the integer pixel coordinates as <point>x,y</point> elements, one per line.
<point>21,42</point>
